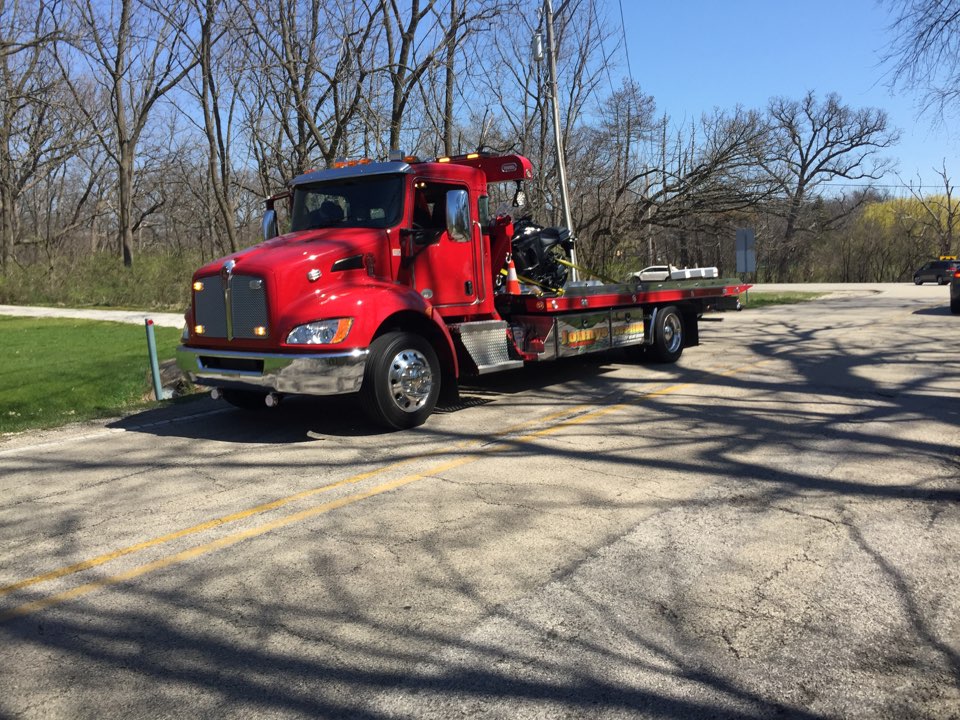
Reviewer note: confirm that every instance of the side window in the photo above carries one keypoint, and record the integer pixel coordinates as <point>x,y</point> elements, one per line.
<point>430,204</point>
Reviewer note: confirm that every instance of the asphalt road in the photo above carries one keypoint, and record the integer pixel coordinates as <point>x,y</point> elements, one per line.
<point>769,528</point>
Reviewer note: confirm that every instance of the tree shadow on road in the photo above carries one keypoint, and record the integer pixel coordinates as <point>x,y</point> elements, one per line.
<point>754,573</point>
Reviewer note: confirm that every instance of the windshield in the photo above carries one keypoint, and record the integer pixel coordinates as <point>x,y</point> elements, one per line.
<point>366,202</point>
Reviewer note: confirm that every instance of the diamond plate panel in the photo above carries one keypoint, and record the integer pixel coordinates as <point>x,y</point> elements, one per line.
<point>486,343</point>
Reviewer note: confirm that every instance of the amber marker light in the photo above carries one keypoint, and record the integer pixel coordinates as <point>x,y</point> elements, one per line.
<point>260,331</point>
<point>343,327</point>
<point>199,329</point>
<point>197,286</point>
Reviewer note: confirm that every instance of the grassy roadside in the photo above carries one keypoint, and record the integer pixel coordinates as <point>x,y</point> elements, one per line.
<point>55,371</point>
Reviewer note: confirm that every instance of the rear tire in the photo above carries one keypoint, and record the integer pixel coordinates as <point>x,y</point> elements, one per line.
<point>955,305</point>
<point>917,281</point>
<point>941,280</point>
<point>401,381</point>
<point>667,344</point>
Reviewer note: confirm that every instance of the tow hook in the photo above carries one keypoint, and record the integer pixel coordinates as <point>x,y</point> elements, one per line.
<point>272,400</point>
<point>216,394</point>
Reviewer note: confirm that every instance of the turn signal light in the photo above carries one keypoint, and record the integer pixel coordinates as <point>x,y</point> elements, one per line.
<point>197,286</point>
<point>260,331</point>
<point>199,329</point>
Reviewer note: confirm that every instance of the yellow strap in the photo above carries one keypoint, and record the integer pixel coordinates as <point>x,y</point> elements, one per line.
<point>586,271</point>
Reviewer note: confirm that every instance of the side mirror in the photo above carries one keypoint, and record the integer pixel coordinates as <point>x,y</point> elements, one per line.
<point>458,215</point>
<point>270,224</point>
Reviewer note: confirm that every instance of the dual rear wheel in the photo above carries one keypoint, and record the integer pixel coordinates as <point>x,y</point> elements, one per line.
<point>668,336</point>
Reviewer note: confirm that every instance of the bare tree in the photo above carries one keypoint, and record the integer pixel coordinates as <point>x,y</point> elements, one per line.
<point>814,143</point>
<point>37,135</point>
<point>941,212</point>
<point>60,208</point>
<point>217,89</point>
<point>311,60</point>
<point>411,48</point>
<point>925,52</point>
<point>136,55</point>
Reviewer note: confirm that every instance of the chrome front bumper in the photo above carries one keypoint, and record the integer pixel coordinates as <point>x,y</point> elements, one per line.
<point>327,374</point>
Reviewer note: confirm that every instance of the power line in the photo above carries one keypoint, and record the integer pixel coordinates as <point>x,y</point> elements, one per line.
<point>603,49</point>
<point>626,46</point>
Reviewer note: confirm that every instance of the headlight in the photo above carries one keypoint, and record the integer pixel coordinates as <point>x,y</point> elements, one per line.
<point>322,332</point>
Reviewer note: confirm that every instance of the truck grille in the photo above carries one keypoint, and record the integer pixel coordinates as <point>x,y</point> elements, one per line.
<point>233,314</point>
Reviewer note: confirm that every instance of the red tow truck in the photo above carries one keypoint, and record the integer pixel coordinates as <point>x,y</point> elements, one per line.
<point>395,281</point>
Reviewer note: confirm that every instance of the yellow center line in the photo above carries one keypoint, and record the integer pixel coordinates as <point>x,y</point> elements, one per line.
<point>227,541</point>
<point>216,522</point>
<point>234,538</point>
<point>259,509</point>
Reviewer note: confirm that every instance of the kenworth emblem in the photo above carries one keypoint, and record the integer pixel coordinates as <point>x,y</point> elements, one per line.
<point>225,273</point>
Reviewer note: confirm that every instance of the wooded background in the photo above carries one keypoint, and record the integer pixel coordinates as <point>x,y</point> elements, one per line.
<point>132,130</point>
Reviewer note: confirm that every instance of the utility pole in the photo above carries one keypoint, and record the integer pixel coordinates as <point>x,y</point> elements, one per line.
<point>558,137</point>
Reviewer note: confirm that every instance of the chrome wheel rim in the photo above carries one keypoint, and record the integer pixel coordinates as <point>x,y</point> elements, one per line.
<point>410,380</point>
<point>672,333</point>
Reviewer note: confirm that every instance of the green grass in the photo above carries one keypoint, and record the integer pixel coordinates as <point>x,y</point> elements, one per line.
<point>754,299</point>
<point>54,372</point>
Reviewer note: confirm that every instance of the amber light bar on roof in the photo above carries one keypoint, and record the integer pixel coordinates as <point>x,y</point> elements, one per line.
<point>468,156</point>
<point>351,163</point>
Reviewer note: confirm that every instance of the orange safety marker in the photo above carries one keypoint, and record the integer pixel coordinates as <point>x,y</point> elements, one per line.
<point>513,284</point>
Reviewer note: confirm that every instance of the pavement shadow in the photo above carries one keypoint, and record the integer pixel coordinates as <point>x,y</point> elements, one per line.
<point>302,418</point>
<point>303,637</point>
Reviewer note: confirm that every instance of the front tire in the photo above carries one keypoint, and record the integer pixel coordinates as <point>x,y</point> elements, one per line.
<point>955,305</point>
<point>667,336</point>
<point>941,280</point>
<point>401,381</point>
<point>917,281</point>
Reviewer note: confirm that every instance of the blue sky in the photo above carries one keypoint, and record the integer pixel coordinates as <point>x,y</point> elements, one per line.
<point>694,55</point>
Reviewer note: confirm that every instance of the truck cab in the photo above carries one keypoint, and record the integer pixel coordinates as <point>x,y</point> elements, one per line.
<point>372,249</point>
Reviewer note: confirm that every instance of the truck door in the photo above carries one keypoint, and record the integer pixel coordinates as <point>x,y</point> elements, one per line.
<point>445,271</point>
